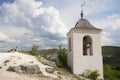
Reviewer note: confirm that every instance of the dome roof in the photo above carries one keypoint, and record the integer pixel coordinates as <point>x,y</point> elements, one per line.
<point>84,24</point>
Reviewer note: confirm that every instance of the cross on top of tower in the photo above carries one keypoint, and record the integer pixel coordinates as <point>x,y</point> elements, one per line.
<point>81,11</point>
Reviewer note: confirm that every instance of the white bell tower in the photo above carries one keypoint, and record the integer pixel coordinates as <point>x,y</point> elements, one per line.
<point>84,48</point>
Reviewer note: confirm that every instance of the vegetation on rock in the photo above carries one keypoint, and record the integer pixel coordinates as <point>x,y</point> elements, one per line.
<point>34,50</point>
<point>62,57</point>
<point>91,74</point>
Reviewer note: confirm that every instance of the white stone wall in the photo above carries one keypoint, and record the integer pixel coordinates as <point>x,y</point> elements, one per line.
<point>70,53</point>
<point>77,61</point>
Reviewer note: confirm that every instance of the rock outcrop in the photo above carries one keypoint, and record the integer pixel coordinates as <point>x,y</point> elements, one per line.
<point>49,63</point>
<point>49,70</point>
<point>27,69</point>
<point>19,66</point>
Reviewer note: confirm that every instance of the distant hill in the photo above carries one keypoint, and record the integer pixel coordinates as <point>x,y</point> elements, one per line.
<point>111,56</point>
<point>48,51</point>
<point>50,54</point>
<point>106,51</point>
<point>111,50</point>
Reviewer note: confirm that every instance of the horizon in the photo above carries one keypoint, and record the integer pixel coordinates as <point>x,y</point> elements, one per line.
<point>50,49</point>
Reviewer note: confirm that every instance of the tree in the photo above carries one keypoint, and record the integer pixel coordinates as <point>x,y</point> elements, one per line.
<point>107,71</point>
<point>62,57</point>
<point>34,49</point>
<point>111,74</point>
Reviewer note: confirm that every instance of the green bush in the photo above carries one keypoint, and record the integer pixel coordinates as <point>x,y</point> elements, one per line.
<point>59,63</point>
<point>94,75</point>
<point>62,57</point>
<point>107,71</point>
<point>91,74</point>
<point>111,74</point>
<point>33,50</point>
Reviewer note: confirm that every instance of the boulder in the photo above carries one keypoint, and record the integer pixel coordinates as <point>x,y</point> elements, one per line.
<point>27,69</point>
<point>30,69</point>
<point>14,69</point>
<point>49,63</point>
<point>49,70</point>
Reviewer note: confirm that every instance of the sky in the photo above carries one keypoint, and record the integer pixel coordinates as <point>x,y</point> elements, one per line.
<point>45,23</point>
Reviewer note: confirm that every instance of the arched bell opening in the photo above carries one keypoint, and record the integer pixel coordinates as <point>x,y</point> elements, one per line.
<point>87,46</point>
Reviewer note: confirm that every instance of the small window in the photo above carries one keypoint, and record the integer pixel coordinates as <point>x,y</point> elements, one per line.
<point>87,46</point>
<point>69,44</point>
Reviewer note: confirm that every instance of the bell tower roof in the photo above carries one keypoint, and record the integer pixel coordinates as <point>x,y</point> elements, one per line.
<point>84,24</point>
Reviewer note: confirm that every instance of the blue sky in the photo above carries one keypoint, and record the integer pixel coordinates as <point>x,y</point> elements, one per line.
<point>46,22</point>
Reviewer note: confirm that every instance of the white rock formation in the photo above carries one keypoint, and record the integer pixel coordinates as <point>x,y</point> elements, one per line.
<point>16,59</point>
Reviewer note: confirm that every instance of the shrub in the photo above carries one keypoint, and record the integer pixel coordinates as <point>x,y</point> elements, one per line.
<point>62,57</point>
<point>94,75</point>
<point>107,71</point>
<point>111,74</point>
<point>59,63</point>
<point>91,74</point>
<point>33,50</point>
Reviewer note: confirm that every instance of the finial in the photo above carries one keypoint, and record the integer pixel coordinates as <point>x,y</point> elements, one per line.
<point>83,2</point>
<point>81,14</point>
<point>81,11</point>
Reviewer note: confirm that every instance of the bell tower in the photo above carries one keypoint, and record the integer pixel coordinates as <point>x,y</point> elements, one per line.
<point>84,47</point>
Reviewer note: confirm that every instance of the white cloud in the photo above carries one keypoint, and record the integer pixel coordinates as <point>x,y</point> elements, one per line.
<point>97,6</point>
<point>36,39</point>
<point>3,37</point>
<point>92,8</point>
<point>106,40</point>
<point>13,31</point>
<point>11,41</point>
<point>31,22</point>
<point>48,47</point>
<point>29,16</point>
<point>111,29</point>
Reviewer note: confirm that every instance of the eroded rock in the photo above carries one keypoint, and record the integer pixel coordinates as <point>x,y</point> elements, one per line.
<point>27,69</point>
<point>49,70</point>
<point>49,63</point>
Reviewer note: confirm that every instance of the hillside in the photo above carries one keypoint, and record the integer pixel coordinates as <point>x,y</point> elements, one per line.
<point>111,56</point>
<point>111,50</point>
<point>27,67</point>
<point>106,50</point>
<point>20,65</point>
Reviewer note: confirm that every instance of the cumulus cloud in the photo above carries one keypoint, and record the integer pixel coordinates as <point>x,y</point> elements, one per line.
<point>31,14</point>
<point>92,8</point>
<point>107,40</point>
<point>28,22</point>
<point>111,29</point>
<point>41,25</point>
<point>97,6</point>
<point>3,36</point>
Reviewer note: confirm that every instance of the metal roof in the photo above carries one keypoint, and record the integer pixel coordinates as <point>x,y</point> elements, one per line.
<point>84,24</point>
